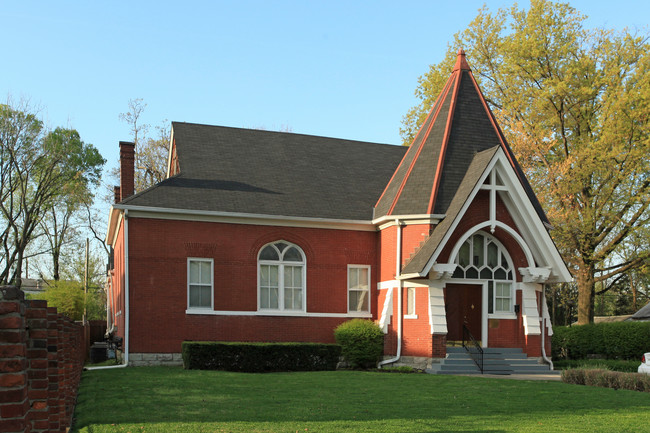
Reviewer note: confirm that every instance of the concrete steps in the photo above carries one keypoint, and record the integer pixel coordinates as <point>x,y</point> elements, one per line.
<point>495,361</point>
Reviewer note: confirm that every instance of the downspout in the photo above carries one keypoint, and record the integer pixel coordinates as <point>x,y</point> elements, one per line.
<point>125,361</point>
<point>544,357</point>
<point>398,271</point>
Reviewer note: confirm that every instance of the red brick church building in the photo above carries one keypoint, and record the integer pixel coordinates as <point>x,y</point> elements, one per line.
<point>269,236</point>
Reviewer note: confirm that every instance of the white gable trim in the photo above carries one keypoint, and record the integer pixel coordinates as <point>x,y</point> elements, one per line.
<point>169,152</point>
<point>544,253</point>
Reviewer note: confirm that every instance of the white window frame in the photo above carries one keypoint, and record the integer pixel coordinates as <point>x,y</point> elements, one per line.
<point>281,264</point>
<point>199,259</point>
<point>503,314</point>
<point>367,268</point>
<point>410,301</point>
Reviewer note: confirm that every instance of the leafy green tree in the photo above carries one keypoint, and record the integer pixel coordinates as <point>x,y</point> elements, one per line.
<point>68,294</point>
<point>573,103</point>
<point>38,168</point>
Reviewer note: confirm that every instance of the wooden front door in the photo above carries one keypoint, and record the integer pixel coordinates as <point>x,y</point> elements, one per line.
<point>463,305</point>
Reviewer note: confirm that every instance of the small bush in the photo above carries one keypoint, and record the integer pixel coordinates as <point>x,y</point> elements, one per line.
<point>607,379</point>
<point>361,341</point>
<point>259,357</point>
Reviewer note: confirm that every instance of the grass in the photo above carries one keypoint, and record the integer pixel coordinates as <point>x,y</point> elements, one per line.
<point>166,399</point>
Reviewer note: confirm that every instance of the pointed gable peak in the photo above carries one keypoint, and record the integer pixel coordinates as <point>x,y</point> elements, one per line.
<point>461,62</point>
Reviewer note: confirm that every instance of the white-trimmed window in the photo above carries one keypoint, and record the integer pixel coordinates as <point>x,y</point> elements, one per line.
<point>281,277</point>
<point>500,297</point>
<point>200,287</point>
<point>410,303</point>
<point>358,289</point>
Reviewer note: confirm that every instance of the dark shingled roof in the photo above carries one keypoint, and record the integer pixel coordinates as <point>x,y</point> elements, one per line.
<point>458,126</point>
<point>273,173</point>
<point>477,167</point>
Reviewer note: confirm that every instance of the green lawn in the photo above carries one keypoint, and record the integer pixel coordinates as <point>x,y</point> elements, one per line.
<point>163,399</point>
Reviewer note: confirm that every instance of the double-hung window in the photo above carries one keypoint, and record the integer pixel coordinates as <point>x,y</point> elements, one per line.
<point>281,277</point>
<point>200,283</point>
<point>358,289</point>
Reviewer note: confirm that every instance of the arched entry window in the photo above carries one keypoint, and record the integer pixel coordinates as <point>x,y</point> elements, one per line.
<point>281,277</point>
<point>482,257</point>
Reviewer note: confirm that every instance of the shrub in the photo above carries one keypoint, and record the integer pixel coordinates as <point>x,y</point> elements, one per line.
<point>607,379</point>
<point>605,364</point>
<point>259,357</point>
<point>361,341</point>
<point>621,340</point>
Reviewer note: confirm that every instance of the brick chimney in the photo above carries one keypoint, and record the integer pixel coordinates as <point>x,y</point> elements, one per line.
<point>116,194</point>
<point>127,163</point>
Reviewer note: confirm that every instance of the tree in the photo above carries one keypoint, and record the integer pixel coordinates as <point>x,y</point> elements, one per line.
<point>151,154</point>
<point>573,103</point>
<point>67,294</point>
<point>38,168</point>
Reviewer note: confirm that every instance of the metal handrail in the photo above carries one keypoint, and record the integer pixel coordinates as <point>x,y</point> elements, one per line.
<point>477,357</point>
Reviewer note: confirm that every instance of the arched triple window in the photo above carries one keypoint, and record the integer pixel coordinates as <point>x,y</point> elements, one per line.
<point>281,277</point>
<point>482,257</point>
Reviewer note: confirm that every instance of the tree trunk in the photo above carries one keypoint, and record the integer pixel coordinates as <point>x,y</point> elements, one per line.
<point>55,264</point>
<point>586,293</point>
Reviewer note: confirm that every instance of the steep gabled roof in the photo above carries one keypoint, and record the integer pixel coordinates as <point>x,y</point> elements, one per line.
<point>248,171</point>
<point>459,125</point>
<point>477,168</point>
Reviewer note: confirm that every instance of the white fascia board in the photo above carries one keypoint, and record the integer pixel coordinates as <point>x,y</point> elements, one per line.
<point>114,219</point>
<point>247,218</point>
<point>411,276</point>
<point>390,220</point>
<point>169,153</point>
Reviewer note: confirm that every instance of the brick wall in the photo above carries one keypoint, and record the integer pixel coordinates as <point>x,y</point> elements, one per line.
<point>158,252</point>
<point>41,359</point>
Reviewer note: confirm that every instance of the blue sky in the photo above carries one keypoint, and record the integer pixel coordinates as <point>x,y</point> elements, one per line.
<point>344,69</point>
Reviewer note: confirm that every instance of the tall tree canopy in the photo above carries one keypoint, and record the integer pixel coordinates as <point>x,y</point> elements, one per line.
<point>574,104</point>
<point>38,170</point>
<point>150,152</point>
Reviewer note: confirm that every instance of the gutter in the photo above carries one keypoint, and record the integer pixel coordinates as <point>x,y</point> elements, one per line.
<point>125,360</point>
<point>398,266</point>
<point>544,357</point>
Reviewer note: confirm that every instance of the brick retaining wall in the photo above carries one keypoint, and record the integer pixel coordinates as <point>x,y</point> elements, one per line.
<point>41,359</point>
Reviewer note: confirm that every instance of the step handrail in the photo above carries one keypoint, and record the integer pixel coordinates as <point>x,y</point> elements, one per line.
<point>468,339</point>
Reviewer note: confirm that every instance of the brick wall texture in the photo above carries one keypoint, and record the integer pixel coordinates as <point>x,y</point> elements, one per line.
<point>41,359</point>
<point>158,250</point>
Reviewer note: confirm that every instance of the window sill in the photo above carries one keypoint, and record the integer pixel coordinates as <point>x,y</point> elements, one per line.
<point>411,316</point>
<point>507,316</point>
<point>271,313</point>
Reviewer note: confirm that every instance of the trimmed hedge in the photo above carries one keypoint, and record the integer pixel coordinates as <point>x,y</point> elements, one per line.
<point>362,342</point>
<point>621,340</point>
<point>259,357</point>
<point>603,364</point>
<point>607,379</point>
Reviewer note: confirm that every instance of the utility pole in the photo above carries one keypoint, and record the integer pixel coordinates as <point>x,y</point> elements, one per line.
<point>86,286</point>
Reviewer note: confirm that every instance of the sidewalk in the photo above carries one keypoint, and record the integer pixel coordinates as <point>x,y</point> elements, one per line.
<point>553,376</point>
